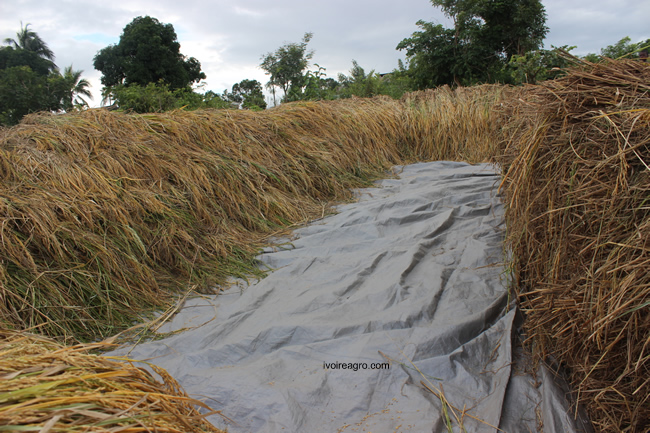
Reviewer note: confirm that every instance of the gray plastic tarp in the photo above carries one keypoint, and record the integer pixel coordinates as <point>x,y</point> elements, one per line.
<point>411,275</point>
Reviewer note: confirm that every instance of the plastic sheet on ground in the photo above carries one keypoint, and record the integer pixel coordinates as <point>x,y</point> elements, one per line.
<point>411,275</point>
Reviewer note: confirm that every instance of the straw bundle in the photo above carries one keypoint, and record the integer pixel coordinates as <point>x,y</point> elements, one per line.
<point>104,215</point>
<point>45,387</point>
<point>459,124</point>
<point>577,180</point>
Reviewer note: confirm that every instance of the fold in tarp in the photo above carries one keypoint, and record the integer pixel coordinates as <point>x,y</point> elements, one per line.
<point>391,315</point>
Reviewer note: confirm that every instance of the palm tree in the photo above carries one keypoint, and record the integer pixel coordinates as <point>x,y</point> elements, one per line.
<point>30,41</point>
<point>78,86</point>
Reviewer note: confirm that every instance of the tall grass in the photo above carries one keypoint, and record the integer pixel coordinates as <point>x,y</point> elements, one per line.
<point>460,124</point>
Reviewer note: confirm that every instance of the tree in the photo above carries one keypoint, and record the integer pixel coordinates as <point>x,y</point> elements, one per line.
<point>317,86</point>
<point>148,52</point>
<point>249,94</point>
<point>30,41</point>
<point>435,57</point>
<point>77,87</point>
<point>286,66</point>
<point>485,36</point>
<point>359,83</point>
<point>624,48</point>
<point>539,65</point>
<point>362,84</point>
<point>29,79</point>
<point>23,91</point>
<point>11,57</point>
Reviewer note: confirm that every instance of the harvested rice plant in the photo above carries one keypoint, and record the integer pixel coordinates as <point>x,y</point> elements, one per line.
<point>106,215</point>
<point>49,387</point>
<point>109,216</point>
<point>577,181</point>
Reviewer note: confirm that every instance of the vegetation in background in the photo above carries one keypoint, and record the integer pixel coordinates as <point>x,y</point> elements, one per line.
<point>247,94</point>
<point>158,97</point>
<point>146,72</point>
<point>485,36</point>
<point>286,66</point>
<point>624,48</point>
<point>289,69</point>
<point>490,42</point>
<point>30,81</point>
<point>539,65</point>
<point>29,41</point>
<point>78,88</point>
<point>148,52</point>
<point>362,84</point>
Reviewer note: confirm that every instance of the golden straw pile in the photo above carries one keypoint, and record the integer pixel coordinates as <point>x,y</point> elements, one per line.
<point>46,387</point>
<point>104,215</point>
<point>577,180</point>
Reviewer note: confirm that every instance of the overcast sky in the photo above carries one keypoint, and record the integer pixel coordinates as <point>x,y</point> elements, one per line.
<point>229,37</point>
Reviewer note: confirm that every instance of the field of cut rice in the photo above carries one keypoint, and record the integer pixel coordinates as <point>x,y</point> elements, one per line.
<point>107,217</point>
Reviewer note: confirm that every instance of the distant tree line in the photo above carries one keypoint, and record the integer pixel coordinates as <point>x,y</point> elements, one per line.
<point>491,41</point>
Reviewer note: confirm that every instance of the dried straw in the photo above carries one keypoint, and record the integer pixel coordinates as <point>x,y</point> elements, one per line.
<point>46,387</point>
<point>577,183</point>
<point>104,215</point>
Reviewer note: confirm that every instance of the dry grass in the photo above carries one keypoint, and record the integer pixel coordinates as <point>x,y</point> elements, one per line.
<point>46,387</point>
<point>104,215</point>
<point>459,125</point>
<point>577,183</point>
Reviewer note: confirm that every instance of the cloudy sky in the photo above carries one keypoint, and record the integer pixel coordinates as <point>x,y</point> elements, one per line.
<point>229,37</point>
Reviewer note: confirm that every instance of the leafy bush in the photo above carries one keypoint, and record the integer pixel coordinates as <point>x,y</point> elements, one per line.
<point>157,98</point>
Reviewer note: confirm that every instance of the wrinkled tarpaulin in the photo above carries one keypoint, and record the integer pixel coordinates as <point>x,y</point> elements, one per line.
<point>411,274</point>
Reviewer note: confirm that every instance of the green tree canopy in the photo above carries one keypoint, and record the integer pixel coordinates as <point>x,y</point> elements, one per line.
<point>10,57</point>
<point>23,91</point>
<point>624,48</point>
<point>539,65</point>
<point>30,41</point>
<point>358,83</point>
<point>485,36</point>
<point>148,52</point>
<point>316,86</point>
<point>286,66</point>
<point>29,79</point>
<point>249,94</point>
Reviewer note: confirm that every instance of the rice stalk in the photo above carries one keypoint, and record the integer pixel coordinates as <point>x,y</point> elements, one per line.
<point>45,386</point>
<point>106,217</point>
<point>576,182</point>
